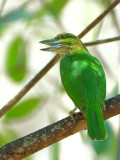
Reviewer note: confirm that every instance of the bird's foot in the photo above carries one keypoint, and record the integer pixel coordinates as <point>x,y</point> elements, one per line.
<point>71,114</point>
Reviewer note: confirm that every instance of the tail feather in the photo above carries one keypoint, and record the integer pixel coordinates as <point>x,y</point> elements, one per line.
<point>95,122</point>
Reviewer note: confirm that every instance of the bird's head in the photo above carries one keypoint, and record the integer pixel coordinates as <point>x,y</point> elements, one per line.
<point>63,44</point>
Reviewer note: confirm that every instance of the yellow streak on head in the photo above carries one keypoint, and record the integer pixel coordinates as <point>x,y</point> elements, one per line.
<point>70,44</point>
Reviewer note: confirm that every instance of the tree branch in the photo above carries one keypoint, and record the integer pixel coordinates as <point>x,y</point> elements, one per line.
<point>102,41</point>
<point>99,18</point>
<point>39,75</point>
<point>53,133</point>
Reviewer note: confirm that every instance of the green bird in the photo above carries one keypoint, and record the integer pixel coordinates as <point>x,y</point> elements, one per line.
<point>84,80</point>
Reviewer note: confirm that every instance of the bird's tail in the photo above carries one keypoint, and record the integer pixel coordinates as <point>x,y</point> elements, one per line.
<point>95,122</point>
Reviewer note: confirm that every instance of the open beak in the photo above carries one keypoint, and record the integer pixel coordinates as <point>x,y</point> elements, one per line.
<point>54,45</point>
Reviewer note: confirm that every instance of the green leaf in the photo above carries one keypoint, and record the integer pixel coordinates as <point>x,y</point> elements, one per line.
<point>55,151</point>
<point>3,139</point>
<point>57,6</point>
<point>28,158</point>
<point>23,109</point>
<point>2,30</point>
<point>16,59</point>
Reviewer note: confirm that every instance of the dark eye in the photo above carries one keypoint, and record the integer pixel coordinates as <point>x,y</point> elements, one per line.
<point>62,36</point>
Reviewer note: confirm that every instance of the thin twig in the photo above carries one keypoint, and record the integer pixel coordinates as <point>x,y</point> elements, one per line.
<point>99,18</point>
<point>2,6</point>
<point>32,82</point>
<point>102,41</point>
<point>53,133</point>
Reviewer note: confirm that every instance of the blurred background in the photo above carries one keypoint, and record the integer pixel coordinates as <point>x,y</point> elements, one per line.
<point>22,25</point>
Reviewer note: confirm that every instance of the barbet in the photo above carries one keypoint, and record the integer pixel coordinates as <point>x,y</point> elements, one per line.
<point>83,79</point>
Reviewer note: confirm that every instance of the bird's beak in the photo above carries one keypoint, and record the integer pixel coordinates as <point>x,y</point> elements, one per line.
<point>54,45</point>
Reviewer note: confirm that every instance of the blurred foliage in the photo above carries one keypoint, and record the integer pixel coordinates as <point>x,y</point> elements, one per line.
<point>23,109</point>
<point>16,59</point>
<point>55,151</point>
<point>58,7</point>
<point>14,15</point>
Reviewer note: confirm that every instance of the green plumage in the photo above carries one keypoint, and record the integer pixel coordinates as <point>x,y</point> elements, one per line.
<point>83,79</point>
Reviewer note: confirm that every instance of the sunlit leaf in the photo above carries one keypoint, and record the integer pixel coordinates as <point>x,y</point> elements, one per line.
<point>16,59</point>
<point>23,109</point>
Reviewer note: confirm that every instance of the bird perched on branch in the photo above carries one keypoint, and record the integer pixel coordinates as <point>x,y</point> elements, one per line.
<point>83,79</point>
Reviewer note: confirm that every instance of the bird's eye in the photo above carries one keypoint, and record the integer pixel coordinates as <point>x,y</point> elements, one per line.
<point>62,36</point>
